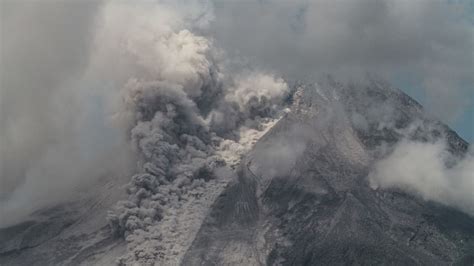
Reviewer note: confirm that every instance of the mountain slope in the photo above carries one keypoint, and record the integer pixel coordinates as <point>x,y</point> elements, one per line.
<point>303,198</point>
<point>72,233</point>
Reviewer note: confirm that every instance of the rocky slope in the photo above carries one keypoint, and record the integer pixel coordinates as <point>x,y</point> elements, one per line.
<point>301,196</point>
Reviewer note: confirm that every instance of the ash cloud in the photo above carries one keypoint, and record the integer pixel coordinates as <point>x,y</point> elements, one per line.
<point>160,71</point>
<point>82,80</point>
<point>178,104</point>
<point>62,114</point>
<point>53,139</point>
<point>34,68</point>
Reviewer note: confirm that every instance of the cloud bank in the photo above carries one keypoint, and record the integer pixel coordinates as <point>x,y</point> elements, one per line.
<point>54,137</point>
<point>421,168</point>
<point>428,43</point>
<point>174,79</point>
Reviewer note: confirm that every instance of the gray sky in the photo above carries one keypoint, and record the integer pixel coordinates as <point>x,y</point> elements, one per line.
<point>55,75</point>
<point>418,45</point>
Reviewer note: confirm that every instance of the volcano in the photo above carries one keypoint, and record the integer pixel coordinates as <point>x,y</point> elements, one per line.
<point>318,208</point>
<point>301,196</point>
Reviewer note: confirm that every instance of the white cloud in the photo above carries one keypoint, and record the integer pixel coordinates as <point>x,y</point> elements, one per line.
<point>429,42</point>
<point>420,168</point>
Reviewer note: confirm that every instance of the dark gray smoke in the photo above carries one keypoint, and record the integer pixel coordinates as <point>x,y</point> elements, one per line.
<point>179,104</point>
<point>83,80</point>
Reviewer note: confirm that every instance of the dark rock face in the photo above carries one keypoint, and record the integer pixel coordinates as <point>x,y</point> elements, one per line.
<point>314,206</point>
<point>302,197</point>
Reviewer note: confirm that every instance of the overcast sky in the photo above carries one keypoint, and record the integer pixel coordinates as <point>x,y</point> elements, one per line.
<point>62,60</point>
<point>424,47</point>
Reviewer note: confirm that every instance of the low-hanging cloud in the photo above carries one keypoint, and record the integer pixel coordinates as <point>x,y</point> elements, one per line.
<point>428,43</point>
<point>54,138</point>
<point>159,70</point>
<point>421,168</point>
<point>38,59</point>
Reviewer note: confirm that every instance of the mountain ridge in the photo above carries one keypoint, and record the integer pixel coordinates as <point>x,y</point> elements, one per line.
<point>300,196</point>
<point>323,207</point>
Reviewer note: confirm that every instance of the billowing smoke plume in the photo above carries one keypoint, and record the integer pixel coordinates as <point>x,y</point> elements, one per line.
<point>157,72</point>
<point>183,112</point>
<point>164,89</point>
